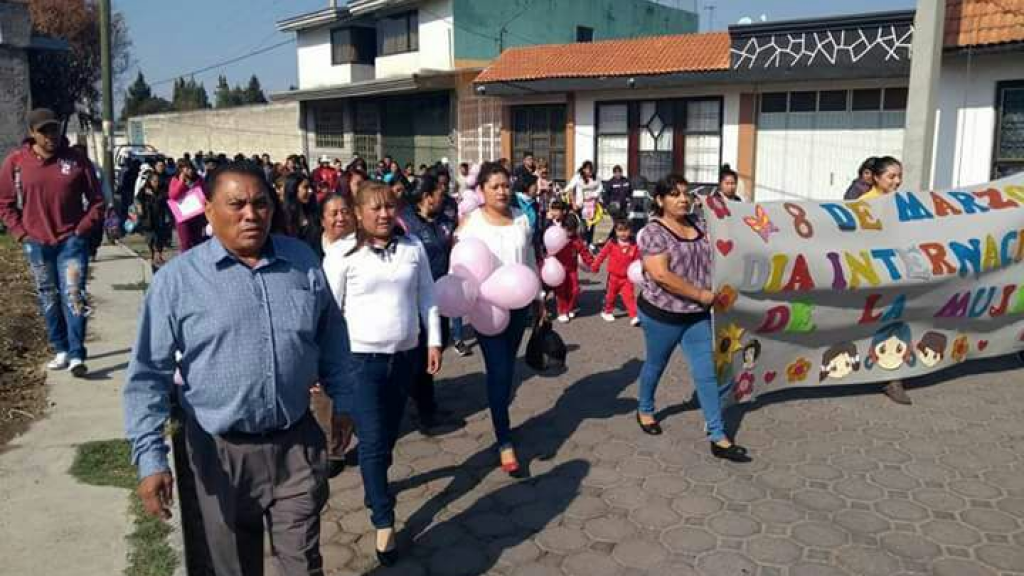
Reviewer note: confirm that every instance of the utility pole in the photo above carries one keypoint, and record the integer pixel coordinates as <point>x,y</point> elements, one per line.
<point>925,68</point>
<point>108,94</point>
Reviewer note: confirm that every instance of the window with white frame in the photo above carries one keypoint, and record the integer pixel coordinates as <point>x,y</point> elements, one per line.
<point>703,141</point>
<point>612,139</point>
<point>655,140</point>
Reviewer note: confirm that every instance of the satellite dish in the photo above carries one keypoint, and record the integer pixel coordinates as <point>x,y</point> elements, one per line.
<point>745,21</point>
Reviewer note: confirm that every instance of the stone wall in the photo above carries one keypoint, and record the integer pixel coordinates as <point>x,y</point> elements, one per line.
<point>266,128</point>
<point>15,33</point>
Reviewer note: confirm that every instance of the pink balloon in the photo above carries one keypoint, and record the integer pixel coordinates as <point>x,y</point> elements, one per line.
<point>455,295</point>
<point>488,319</point>
<point>552,272</point>
<point>511,286</point>
<point>555,239</point>
<point>472,259</point>
<point>469,203</point>
<point>635,272</point>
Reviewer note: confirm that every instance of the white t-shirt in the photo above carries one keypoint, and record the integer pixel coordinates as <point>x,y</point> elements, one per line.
<point>384,294</point>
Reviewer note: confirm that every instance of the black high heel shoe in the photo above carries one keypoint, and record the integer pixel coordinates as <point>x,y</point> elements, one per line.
<point>651,429</point>
<point>733,453</point>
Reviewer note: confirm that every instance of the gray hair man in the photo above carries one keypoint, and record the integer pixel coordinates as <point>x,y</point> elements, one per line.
<point>253,320</point>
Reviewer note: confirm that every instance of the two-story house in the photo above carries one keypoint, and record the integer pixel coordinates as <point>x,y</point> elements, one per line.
<point>395,77</point>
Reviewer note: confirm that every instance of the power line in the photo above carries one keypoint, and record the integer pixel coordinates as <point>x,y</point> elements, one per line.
<point>225,62</point>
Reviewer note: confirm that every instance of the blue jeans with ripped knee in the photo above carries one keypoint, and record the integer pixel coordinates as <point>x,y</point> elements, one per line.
<point>60,272</point>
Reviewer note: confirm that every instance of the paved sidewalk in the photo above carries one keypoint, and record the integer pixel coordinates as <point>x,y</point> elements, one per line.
<point>50,523</point>
<point>844,481</point>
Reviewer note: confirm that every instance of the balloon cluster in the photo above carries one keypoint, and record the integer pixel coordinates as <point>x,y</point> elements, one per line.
<point>553,273</point>
<point>482,291</point>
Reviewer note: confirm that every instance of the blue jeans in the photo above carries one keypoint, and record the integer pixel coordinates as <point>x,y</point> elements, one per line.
<point>500,362</point>
<point>60,272</point>
<point>694,338</point>
<point>456,329</point>
<point>379,391</point>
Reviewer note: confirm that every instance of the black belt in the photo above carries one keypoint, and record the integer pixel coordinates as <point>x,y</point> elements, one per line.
<point>236,436</point>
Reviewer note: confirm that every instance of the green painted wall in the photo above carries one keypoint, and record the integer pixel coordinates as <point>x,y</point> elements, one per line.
<point>478,22</point>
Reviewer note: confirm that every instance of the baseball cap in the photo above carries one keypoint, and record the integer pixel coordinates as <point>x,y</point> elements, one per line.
<point>325,159</point>
<point>41,117</point>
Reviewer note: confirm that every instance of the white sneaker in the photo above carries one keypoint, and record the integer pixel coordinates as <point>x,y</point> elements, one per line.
<point>572,314</point>
<point>607,317</point>
<point>77,367</point>
<point>634,321</point>
<point>563,319</point>
<point>59,362</point>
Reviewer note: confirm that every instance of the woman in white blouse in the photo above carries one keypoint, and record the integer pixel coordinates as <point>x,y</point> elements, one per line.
<point>506,231</point>
<point>384,288</point>
<point>584,192</point>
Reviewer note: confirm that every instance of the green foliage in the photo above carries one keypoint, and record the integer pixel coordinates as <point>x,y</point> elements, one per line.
<point>140,100</point>
<point>189,95</point>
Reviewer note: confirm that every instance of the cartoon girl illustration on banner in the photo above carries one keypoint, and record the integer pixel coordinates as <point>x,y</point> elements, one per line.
<point>931,349</point>
<point>839,361</point>
<point>744,387</point>
<point>891,348</point>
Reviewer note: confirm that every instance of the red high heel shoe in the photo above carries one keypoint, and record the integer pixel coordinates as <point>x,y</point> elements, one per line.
<point>510,467</point>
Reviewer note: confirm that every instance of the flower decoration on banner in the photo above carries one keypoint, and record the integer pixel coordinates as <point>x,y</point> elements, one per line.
<point>798,370</point>
<point>726,298</point>
<point>960,349</point>
<point>728,345</point>
<point>761,224</point>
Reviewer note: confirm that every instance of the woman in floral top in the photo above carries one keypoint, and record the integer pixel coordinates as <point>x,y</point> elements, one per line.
<point>674,310</point>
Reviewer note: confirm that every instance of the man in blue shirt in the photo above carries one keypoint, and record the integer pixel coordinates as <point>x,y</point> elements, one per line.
<point>255,325</point>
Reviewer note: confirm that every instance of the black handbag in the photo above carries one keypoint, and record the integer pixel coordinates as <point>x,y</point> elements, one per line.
<point>546,349</point>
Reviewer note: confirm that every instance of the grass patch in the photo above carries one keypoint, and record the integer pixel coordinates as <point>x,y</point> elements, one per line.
<point>140,286</point>
<point>108,463</point>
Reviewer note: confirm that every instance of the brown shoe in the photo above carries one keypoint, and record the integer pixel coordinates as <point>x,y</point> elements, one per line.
<point>895,391</point>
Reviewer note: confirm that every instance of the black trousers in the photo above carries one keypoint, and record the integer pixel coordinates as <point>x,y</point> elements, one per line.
<point>422,389</point>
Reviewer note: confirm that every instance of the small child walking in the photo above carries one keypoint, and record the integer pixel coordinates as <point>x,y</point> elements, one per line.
<point>567,295</point>
<point>620,253</point>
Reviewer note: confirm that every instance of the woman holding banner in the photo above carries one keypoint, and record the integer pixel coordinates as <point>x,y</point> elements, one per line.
<point>674,308</point>
<point>886,177</point>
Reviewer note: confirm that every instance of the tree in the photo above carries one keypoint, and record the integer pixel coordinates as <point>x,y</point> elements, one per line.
<point>189,95</point>
<point>140,101</point>
<point>254,92</point>
<point>227,96</point>
<point>60,80</point>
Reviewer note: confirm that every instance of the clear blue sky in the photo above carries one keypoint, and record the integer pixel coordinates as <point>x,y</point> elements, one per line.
<point>172,38</point>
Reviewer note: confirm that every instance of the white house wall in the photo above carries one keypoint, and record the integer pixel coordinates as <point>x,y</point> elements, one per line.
<point>314,62</point>
<point>966,117</point>
<point>435,43</point>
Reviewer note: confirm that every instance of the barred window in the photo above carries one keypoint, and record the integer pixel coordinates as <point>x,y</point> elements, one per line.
<point>330,128</point>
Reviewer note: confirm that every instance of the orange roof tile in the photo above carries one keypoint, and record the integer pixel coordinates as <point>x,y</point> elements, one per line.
<point>983,22</point>
<point>639,56</point>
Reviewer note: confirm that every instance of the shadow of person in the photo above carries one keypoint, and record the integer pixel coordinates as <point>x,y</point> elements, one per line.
<point>734,415</point>
<point>475,538</point>
<point>593,397</point>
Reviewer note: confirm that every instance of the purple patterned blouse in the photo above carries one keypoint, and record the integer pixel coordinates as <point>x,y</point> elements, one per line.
<point>688,259</point>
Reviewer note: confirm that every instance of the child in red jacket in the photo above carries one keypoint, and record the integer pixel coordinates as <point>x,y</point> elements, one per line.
<point>567,295</point>
<point>620,253</point>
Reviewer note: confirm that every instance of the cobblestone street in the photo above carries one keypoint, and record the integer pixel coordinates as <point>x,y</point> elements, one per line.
<point>844,482</point>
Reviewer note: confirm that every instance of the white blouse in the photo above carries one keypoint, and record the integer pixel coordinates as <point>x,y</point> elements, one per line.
<point>384,294</point>
<point>511,244</point>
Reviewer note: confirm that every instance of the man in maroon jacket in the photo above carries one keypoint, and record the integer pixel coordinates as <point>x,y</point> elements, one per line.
<point>51,201</point>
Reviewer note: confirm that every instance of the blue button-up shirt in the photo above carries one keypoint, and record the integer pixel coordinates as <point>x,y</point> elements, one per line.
<point>252,342</point>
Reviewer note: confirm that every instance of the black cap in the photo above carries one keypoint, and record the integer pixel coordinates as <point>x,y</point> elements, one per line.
<point>41,117</point>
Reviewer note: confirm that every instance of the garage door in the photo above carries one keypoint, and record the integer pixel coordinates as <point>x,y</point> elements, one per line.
<point>810,143</point>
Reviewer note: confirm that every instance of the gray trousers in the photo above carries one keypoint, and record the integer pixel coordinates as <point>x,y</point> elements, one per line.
<point>245,484</point>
